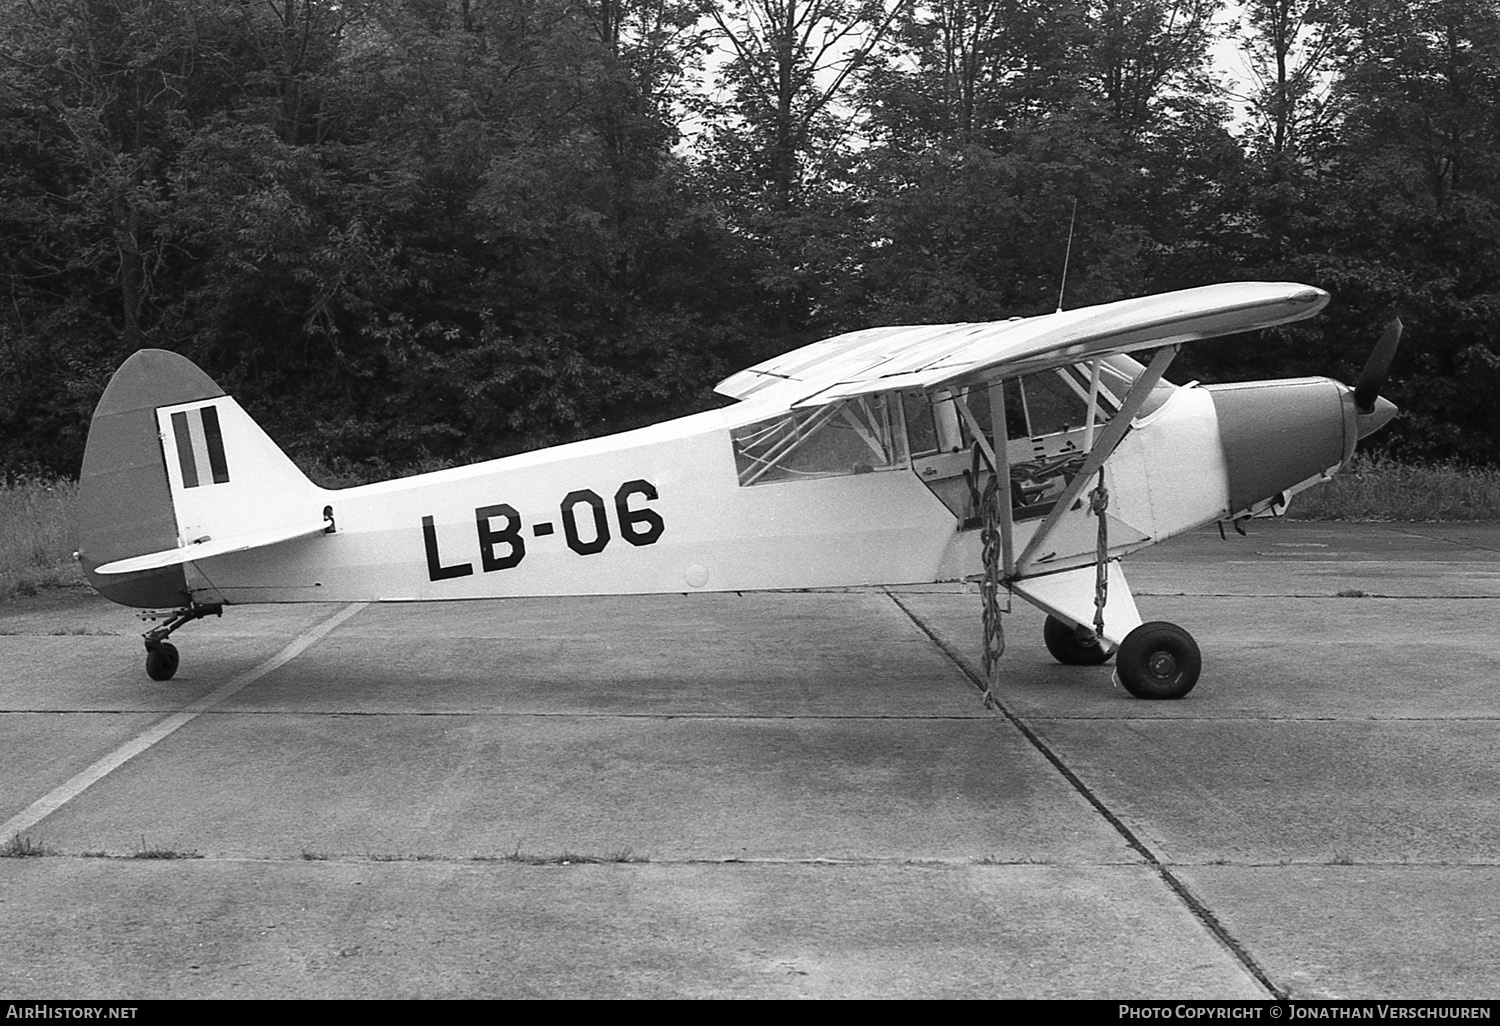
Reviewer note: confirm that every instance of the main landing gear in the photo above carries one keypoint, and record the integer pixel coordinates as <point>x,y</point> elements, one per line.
<point>161,654</point>
<point>1074,646</point>
<point>1157,660</point>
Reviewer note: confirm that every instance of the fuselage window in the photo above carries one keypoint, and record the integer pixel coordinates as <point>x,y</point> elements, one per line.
<point>862,435</point>
<point>921,425</point>
<point>1051,405</point>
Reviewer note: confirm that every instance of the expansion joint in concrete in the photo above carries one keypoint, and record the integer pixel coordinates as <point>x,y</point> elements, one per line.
<point>1200,911</point>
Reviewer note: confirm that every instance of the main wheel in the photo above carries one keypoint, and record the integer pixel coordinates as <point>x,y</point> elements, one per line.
<point>161,660</point>
<point>1073,647</point>
<point>1158,660</point>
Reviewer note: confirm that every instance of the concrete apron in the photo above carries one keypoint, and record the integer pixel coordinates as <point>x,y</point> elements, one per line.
<point>773,795</point>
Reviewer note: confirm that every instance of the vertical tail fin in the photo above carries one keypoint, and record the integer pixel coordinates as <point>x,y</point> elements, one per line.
<point>174,470</point>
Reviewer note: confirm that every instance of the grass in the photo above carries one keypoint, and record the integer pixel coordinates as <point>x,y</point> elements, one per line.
<point>1379,488</point>
<point>571,859</point>
<point>19,847</point>
<point>517,857</point>
<point>156,851</point>
<point>38,537</point>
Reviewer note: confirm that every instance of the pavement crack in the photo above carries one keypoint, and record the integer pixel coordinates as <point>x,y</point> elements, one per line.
<point>23,849</point>
<point>565,858</point>
<point>1250,717</point>
<point>1404,597</point>
<point>1196,906</point>
<point>1465,544</point>
<point>513,714</point>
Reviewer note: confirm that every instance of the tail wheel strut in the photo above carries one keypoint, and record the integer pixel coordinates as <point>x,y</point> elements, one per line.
<point>161,655</point>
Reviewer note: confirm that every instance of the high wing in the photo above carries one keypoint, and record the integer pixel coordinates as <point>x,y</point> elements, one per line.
<point>1056,561</point>
<point>952,355</point>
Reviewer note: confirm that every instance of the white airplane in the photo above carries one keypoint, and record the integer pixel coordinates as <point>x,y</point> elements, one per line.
<point>873,458</point>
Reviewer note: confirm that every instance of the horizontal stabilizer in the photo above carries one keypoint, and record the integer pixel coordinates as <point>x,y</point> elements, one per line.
<point>206,547</point>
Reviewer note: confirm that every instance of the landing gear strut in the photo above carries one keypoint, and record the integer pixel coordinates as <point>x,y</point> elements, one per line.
<point>161,654</point>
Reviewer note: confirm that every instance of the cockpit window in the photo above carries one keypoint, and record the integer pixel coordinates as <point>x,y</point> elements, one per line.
<point>855,436</point>
<point>1051,405</point>
<point>1046,417</point>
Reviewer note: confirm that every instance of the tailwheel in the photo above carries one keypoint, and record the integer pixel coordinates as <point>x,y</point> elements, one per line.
<point>1074,646</point>
<point>161,654</point>
<point>161,660</point>
<point>1158,660</point>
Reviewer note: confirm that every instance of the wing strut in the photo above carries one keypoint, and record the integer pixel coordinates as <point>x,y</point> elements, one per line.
<point>1094,365</point>
<point>1001,471</point>
<point>1108,440</point>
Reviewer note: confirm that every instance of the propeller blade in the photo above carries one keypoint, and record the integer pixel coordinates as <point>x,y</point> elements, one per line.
<point>1372,379</point>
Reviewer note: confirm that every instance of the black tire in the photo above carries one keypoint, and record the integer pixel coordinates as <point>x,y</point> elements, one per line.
<point>162,660</point>
<point>1158,661</point>
<point>1072,647</point>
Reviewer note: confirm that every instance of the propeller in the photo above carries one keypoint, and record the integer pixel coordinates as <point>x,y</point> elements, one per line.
<point>1374,411</point>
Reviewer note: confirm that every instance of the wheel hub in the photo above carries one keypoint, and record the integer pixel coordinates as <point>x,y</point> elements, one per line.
<point>1162,665</point>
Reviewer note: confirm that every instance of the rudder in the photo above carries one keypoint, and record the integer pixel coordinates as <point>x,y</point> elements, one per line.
<point>171,461</point>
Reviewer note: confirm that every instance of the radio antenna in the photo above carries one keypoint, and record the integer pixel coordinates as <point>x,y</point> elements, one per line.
<point>1067,255</point>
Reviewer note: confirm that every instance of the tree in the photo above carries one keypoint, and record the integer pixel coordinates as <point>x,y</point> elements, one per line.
<point>1290,48</point>
<point>1146,51</point>
<point>98,97</point>
<point>791,64</point>
<point>962,72</point>
<point>1408,212</point>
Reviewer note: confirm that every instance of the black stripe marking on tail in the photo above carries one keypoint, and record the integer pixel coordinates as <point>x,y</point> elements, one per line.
<point>185,450</point>
<point>215,444</point>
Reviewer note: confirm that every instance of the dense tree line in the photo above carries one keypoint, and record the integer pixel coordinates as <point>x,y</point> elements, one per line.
<point>408,230</point>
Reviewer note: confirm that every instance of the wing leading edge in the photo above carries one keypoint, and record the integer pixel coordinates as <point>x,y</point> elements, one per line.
<point>941,355</point>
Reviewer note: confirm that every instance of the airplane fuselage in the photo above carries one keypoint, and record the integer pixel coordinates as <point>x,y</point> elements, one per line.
<point>663,509</point>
